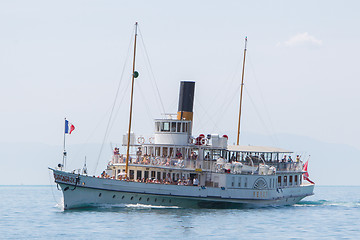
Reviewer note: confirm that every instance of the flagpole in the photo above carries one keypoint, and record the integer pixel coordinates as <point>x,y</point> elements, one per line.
<point>64,153</point>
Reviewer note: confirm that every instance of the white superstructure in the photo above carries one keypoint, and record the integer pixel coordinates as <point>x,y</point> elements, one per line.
<point>174,168</point>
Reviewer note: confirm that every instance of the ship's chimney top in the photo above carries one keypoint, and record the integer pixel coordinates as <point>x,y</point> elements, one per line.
<point>186,100</point>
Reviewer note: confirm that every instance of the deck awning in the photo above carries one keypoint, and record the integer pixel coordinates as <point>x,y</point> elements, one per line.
<point>256,149</point>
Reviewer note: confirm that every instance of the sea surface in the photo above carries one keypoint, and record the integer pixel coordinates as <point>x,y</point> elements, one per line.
<point>34,212</point>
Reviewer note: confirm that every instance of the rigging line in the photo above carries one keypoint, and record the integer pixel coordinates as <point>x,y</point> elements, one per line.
<point>206,113</point>
<point>81,150</point>
<point>227,104</point>
<point>263,101</point>
<point>148,59</point>
<point>114,103</point>
<point>232,79</point>
<point>158,102</point>
<point>120,103</point>
<point>173,104</point>
<point>259,116</point>
<point>145,103</point>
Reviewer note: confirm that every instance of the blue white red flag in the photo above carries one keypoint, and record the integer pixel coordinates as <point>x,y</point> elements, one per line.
<point>68,127</point>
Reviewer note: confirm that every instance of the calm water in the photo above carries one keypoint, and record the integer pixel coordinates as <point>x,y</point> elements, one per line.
<point>28,212</point>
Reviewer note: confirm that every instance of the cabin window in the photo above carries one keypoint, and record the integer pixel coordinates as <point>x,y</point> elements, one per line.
<point>146,175</point>
<point>290,181</point>
<point>194,154</point>
<point>158,177</point>
<point>232,181</point>
<point>138,175</point>
<point>285,180</point>
<point>157,151</point>
<point>273,182</point>
<point>157,127</point>
<point>152,174</point>
<point>165,127</point>
<point>178,127</point>
<point>207,155</point>
<point>300,179</point>
<point>184,127</point>
<point>239,182</point>
<point>164,175</point>
<point>173,127</point>
<point>151,151</point>
<point>131,174</point>
<point>296,179</point>
<point>245,184</point>
<point>174,177</point>
<point>279,181</point>
<point>165,152</point>
<point>216,154</point>
<point>171,152</point>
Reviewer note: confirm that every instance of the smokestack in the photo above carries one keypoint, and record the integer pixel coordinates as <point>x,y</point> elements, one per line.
<point>186,100</point>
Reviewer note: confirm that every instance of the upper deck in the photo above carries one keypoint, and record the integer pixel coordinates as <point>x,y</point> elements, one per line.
<point>213,158</point>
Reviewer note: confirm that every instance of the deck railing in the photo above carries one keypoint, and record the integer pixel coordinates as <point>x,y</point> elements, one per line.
<point>209,165</point>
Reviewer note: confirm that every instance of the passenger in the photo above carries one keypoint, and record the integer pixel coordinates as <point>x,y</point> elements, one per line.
<point>284,159</point>
<point>193,156</point>
<point>195,181</point>
<point>180,163</point>
<point>297,158</point>
<point>178,154</point>
<point>167,162</point>
<point>290,159</point>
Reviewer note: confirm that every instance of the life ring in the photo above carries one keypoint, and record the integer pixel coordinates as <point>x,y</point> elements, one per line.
<point>141,140</point>
<point>203,141</point>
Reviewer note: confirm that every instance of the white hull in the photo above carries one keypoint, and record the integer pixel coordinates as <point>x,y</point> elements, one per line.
<point>92,191</point>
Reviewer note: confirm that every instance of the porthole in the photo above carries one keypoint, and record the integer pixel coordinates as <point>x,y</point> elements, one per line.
<point>140,199</point>
<point>122,197</point>
<point>170,201</point>
<point>99,194</point>
<point>155,199</point>
<point>114,196</point>
<point>147,199</point>
<point>131,198</point>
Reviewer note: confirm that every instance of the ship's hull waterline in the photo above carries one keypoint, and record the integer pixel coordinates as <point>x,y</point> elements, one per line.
<point>93,192</point>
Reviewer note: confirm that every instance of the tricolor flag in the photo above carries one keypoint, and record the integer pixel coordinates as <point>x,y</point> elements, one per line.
<point>68,127</point>
<point>306,174</point>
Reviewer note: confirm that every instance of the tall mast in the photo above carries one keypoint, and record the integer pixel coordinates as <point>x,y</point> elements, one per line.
<point>134,75</point>
<point>241,92</point>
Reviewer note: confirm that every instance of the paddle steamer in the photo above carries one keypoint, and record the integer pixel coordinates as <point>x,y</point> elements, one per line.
<point>175,168</point>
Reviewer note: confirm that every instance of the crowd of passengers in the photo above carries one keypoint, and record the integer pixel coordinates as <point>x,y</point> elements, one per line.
<point>168,180</point>
<point>151,159</point>
<point>179,161</point>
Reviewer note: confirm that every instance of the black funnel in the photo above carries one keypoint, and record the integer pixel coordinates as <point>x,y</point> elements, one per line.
<point>186,100</point>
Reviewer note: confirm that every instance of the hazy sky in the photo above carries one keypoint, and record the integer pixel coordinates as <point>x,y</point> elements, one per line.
<point>65,59</point>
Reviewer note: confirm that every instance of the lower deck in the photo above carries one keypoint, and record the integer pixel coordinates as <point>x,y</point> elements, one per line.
<point>184,176</point>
